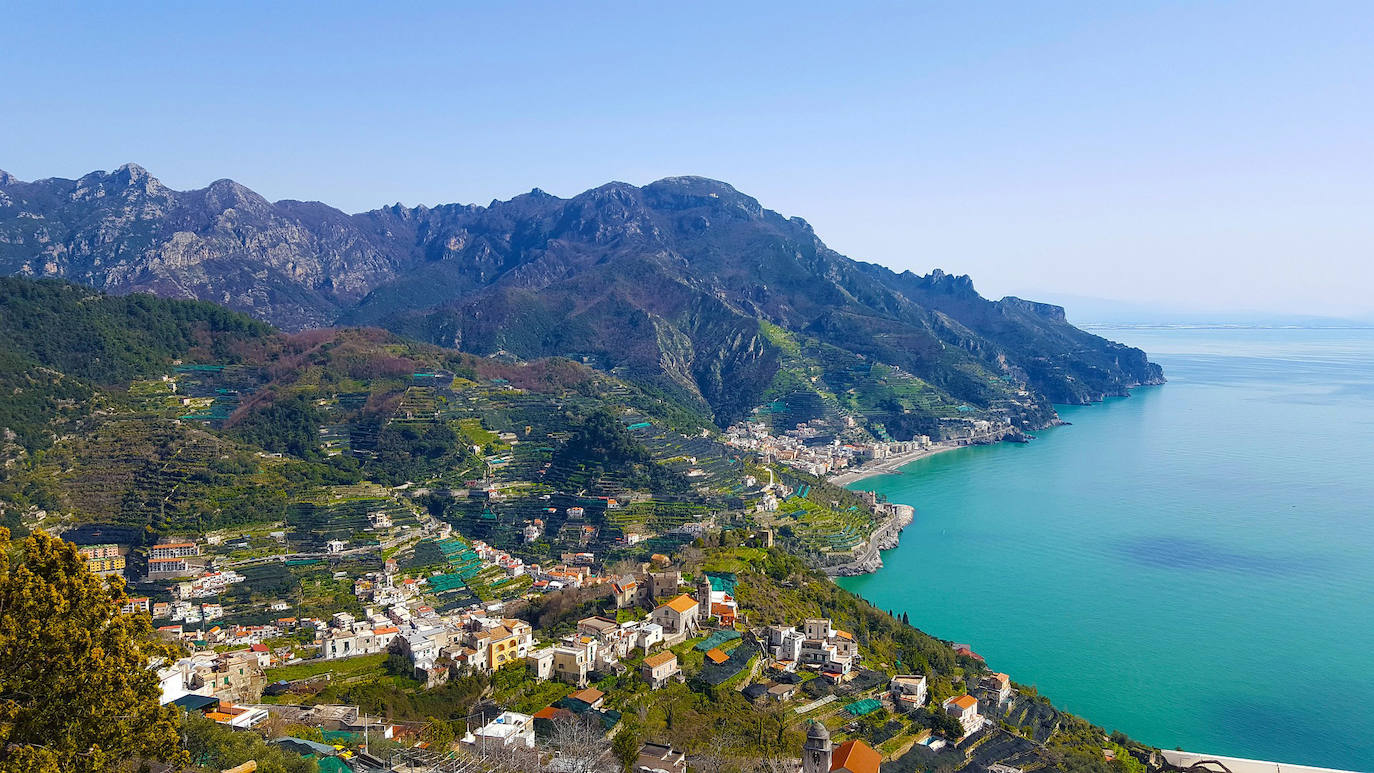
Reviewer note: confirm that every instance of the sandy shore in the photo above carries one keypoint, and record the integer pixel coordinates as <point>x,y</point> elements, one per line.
<point>891,464</point>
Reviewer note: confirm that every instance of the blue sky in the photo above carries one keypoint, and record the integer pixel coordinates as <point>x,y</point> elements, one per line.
<point>1211,155</point>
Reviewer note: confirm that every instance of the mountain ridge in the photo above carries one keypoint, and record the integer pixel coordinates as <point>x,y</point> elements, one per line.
<point>670,283</point>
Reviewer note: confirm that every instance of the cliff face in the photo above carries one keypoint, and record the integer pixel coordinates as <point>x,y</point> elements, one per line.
<point>292,264</point>
<point>667,283</point>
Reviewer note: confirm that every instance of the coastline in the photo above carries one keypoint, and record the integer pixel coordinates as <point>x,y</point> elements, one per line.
<point>867,558</point>
<point>892,464</point>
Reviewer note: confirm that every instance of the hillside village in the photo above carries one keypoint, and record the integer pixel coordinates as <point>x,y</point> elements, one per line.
<point>634,653</point>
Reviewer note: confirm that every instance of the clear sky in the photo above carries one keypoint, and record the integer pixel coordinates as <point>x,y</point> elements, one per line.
<point>1208,155</point>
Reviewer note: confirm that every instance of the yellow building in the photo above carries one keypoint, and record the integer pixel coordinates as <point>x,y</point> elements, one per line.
<point>103,559</point>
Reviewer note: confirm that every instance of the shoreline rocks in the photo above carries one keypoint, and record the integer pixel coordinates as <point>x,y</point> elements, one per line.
<point>885,537</point>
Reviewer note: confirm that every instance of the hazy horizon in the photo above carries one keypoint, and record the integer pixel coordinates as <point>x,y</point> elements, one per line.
<point>1205,158</point>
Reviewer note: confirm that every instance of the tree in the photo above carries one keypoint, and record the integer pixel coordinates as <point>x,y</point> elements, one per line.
<point>580,743</point>
<point>945,724</point>
<point>77,690</point>
<point>439,735</point>
<point>626,744</point>
<point>214,746</point>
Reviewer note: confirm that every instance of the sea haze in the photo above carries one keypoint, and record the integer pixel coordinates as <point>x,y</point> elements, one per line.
<point>1192,565</point>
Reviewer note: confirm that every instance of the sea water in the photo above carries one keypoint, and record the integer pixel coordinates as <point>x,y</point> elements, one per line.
<point>1192,565</point>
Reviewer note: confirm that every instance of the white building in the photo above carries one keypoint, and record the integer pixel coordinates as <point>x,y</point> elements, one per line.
<point>965,709</point>
<point>678,616</point>
<point>908,691</point>
<point>1000,684</point>
<point>510,729</point>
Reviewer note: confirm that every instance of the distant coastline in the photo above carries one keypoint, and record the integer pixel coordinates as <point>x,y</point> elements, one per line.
<point>893,464</point>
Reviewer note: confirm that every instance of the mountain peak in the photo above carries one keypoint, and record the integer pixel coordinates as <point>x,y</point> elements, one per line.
<point>6,178</point>
<point>687,191</point>
<point>226,193</point>
<point>693,181</point>
<point>951,283</point>
<point>133,172</point>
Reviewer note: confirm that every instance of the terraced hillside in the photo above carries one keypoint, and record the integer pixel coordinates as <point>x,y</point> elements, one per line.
<point>208,421</point>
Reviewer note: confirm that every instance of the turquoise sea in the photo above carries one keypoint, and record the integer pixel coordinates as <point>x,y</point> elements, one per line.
<point>1192,565</point>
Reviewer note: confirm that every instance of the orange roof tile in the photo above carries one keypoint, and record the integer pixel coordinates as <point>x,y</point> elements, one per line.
<point>682,604</point>
<point>589,695</point>
<point>965,702</point>
<point>549,712</point>
<point>662,658</point>
<point>716,656</point>
<point>855,757</point>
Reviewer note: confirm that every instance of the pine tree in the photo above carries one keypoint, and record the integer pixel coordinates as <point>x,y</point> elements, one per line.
<point>77,692</point>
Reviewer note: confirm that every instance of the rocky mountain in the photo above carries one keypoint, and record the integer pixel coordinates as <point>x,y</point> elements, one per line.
<point>685,284</point>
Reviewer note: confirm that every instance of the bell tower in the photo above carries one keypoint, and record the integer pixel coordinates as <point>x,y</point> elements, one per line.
<point>816,751</point>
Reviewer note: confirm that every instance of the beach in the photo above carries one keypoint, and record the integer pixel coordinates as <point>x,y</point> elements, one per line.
<point>890,465</point>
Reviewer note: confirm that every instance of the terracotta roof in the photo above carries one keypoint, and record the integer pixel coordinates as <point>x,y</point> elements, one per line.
<point>965,701</point>
<point>844,634</point>
<point>549,712</point>
<point>855,757</point>
<point>386,629</point>
<point>682,604</point>
<point>589,695</point>
<point>717,656</point>
<point>662,658</point>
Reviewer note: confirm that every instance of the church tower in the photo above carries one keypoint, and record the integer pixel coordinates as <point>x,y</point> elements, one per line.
<point>816,751</point>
